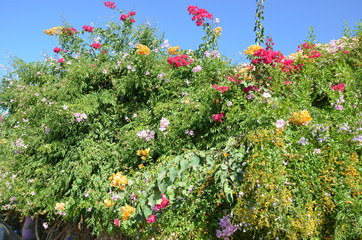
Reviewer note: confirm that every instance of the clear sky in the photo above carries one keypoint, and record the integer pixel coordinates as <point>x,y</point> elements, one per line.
<point>287,21</point>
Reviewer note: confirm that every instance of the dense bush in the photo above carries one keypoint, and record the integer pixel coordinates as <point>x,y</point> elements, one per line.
<point>120,134</point>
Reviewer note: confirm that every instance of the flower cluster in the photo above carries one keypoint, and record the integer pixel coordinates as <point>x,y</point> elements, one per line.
<point>142,49</point>
<point>300,118</point>
<point>118,180</point>
<point>88,28</point>
<point>173,50</point>
<point>252,49</point>
<point>146,134</point>
<point>226,228</point>
<point>164,124</point>
<point>143,153</point>
<point>53,31</point>
<point>180,60</point>
<point>59,207</point>
<point>164,203</point>
<point>251,88</point>
<point>80,117</point>
<point>213,54</point>
<point>199,14</point>
<point>96,45</point>
<point>221,89</point>
<point>69,31</point>
<point>338,87</point>
<point>217,31</point>
<point>127,211</point>
<point>108,203</point>
<point>218,117</point>
<point>124,17</point>
<point>110,4</point>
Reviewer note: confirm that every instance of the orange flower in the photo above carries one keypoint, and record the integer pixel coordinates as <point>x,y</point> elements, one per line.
<point>173,50</point>
<point>127,211</point>
<point>118,180</point>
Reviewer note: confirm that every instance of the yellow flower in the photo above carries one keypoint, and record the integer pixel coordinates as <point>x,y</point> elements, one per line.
<point>142,49</point>
<point>53,31</point>
<point>143,153</point>
<point>109,203</point>
<point>118,180</point>
<point>60,206</point>
<point>140,166</point>
<point>217,31</point>
<point>252,49</point>
<point>300,118</point>
<point>173,50</point>
<point>127,211</point>
<point>2,141</point>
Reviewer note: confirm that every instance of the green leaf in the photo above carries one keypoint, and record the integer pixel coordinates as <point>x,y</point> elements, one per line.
<point>184,164</point>
<point>173,174</point>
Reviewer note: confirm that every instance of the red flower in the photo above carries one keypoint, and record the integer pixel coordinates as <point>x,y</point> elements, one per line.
<point>88,28</point>
<point>69,31</point>
<point>346,52</point>
<point>109,4</point>
<point>199,14</point>
<point>56,50</point>
<point>251,88</point>
<point>178,61</point>
<point>221,89</point>
<point>338,87</point>
<point>132,20</point>
<point>218,117</point>
<point>131,13</point>
<point>60,60</point>
<point>151,219</point>
<point>123,17</point>
<point>96,45</point>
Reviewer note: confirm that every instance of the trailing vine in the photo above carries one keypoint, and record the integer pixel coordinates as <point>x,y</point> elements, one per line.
<point>259,17</point>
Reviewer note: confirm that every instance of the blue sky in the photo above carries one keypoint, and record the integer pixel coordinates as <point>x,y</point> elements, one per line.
<point>287,21</point>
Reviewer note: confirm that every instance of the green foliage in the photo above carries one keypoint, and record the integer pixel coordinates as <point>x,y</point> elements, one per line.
<point>277,150</point>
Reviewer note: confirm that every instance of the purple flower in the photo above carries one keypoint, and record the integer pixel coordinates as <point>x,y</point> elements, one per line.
<point>164,124</point>
<point>303,141</point>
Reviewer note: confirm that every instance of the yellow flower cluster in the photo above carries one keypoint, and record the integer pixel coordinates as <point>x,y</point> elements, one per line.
<point>118,180</point>
<point>127,211</point>
<point>142,49</point>
<point>108,203</point>
<point>2,141</point>
<point>173,50</point>
<point>60,206</point>
<point>252,49</point>
<point>53,31</point>
<point>300,118</point>
<point>217,31</point>
<point>143,153</point>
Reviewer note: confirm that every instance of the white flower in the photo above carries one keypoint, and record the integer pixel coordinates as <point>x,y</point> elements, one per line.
<point>280,123</point>
<point>266,95</point>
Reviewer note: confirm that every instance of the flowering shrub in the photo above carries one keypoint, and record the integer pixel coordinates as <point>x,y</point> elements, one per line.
<point>111,139</point>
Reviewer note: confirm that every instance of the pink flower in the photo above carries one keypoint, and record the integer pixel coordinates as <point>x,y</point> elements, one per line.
<point>280,123</point>
<point>221,89</point>
<point>338,87</point>
<point>338,107</point>
<point>132,20</point>
<point>123,17</point>
<point>251,88</point>
<point>346,52</point>
<point>88,28</point>
<point>165,202</point>
<point>180,60</point>
<point>116,222</point>
<point>151,219</point>
<point>131,13</point>
<point>218,117</point>
<point>199,14</point>
<point>96,45</point>
<point>60,60</point>
<point>56,50</point>
<point>109,4</point>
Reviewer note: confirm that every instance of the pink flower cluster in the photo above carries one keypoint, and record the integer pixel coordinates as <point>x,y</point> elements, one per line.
<point>110,4</point>
<point>221,89</point>
<point>180,60</point>
<point>218,117</point>
<point>234,78</point>
<point>88,28</point>
<point>315,54</point>
<point>80,117</point>
<point>70,31</point>
<point>57,50</point>
<point>251,88</point>
<point>164,124</point>
<point>164,203</point>
<point>199,14</point>
<point>124,17</point>
<point>146,134</point>
<point>338,87</point>
<point>96,45</point>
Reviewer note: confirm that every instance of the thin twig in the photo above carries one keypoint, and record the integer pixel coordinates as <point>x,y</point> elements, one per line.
<point>36,229</point>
